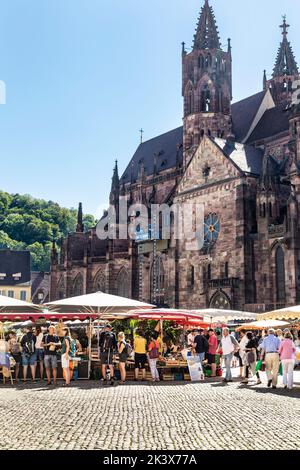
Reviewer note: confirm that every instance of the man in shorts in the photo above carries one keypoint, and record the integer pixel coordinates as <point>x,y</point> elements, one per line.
<point>29,353</point>
<point>108,347</point>
<point>140,355</point>
<point>50,344</point>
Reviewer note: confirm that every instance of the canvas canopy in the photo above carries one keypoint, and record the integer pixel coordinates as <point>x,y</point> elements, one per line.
<point>263,325</point>
<point>213,315</point>
<point>96,305</point>
<point>13,309</point>
<point>288,313</point>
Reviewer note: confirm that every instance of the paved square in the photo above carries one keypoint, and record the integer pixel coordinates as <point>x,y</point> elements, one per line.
<point>170,415</point>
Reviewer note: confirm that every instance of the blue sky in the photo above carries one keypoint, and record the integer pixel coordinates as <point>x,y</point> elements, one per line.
<point>83,76</point>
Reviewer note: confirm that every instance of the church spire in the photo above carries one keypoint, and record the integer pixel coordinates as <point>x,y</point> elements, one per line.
<point>115,186</point>
<point>115,178</point>
<point>206,85</point>
<point>80,226</point>
<point>207,35</point>
<point>285,60</point>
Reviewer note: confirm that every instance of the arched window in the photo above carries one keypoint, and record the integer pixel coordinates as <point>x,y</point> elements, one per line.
<point>208,61</point>
<point>226,270</point>
<point>123,283</point>
<point>205,100</point>
<point>78,285</point>
<point>190,102</point>
<point>192,277</point>
<point>280,274</point>
<point>201,62</point>
<point>270,210</point>
<point>220,301</point>
<point>61,289</point>
<point>209,272</point>
<point>157,277</point>
<point>99,282</point>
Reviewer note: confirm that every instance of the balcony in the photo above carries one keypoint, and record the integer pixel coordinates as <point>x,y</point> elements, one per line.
<point>277,231</point>
<point>222,283</point>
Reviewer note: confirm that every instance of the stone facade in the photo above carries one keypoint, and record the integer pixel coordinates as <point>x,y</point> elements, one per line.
<point>241,161</point>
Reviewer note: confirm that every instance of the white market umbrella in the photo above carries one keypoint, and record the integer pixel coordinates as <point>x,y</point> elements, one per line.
<point>213,315</point>
<point>288,313</point>
<point>11,309</point>
<point>98,304</point>
<point>263,325</point>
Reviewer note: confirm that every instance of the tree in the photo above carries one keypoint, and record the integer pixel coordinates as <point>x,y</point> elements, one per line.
<point>26,222</point>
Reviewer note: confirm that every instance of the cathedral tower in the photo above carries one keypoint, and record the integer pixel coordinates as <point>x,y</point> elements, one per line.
<point>285,71</point>
<point>207,83</point>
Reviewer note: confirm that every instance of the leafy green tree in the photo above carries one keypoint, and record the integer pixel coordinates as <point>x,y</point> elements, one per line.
<point>27,222</point>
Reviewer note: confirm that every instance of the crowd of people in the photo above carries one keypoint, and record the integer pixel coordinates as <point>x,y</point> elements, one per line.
<point>38,347</point>
<point>250,351</point>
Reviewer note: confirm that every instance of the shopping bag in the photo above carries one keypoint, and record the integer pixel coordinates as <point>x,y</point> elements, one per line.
<point>280,372</point>
<point>258,366</point>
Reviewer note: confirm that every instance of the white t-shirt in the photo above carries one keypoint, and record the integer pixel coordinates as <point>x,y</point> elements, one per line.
<point>39,340</point>
<point>244,341</point>
<point>227,345</point>
<point>191,339</point>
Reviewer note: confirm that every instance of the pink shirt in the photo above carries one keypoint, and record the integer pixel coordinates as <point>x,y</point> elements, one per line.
<point>287,349</point>
<point>213,344</point>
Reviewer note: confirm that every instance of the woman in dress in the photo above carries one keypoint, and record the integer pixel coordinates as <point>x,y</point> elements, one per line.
<point>122,356</point>
<point>65,355</point>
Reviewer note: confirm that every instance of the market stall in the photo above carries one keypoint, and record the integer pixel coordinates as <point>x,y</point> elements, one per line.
<point>99,307</point>
<point>172,366</point>
<point>263,325</point>
<point>12,309</point>
<point>288,313</point>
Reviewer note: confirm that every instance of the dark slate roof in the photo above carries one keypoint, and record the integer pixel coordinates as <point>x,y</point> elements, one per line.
<point>14,262</point>
<point>243,112</point>
<point>247,158</point>
<point>273,122</point>
<point>165,146</point>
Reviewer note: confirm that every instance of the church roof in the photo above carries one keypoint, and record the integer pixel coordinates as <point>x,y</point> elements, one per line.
<point>243,113</point>
<point>164,147</point>
<point>273,122</point>
<point>246,157</point>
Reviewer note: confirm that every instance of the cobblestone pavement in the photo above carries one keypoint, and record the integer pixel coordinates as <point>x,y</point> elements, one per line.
<point>174,415</point>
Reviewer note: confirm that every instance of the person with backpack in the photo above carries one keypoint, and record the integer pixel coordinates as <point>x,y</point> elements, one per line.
<point>108,346</point>
<point>14,349</point>
<point>125,351</point>
<point>50,344</point>
<point>75,348</point>
<point>229,346</point>
<point>201,345</point>
<point>153,355</point>
<point>250,358</point>
<point>29,353</point>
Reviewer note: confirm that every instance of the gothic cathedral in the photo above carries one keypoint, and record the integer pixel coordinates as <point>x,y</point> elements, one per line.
<point>241,161</point>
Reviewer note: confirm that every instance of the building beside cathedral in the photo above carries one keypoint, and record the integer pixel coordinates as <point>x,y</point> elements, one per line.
<point>242,161</point>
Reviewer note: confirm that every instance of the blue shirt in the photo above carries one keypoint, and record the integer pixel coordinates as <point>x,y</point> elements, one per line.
<point>270,344</point>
